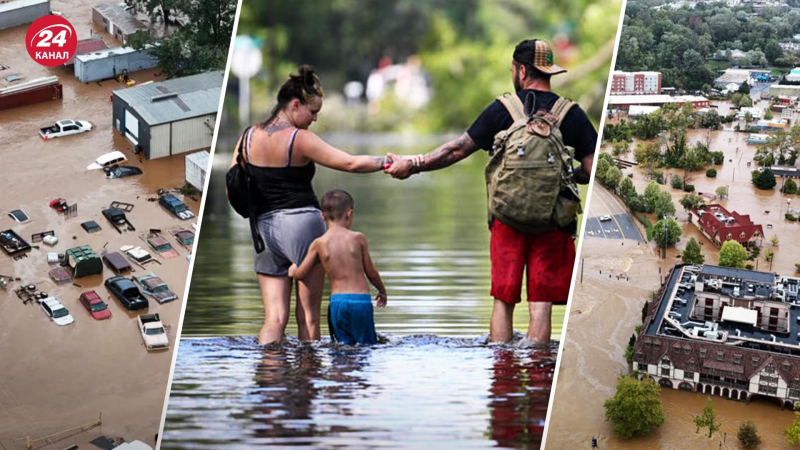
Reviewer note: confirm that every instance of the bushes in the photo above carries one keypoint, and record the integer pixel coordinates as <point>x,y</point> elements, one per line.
<point>790,187</point>
<point>677,182</point>
<point>791,217</point>
<point>711,173</point>
<point>717,158</point>
<point>688,188</point>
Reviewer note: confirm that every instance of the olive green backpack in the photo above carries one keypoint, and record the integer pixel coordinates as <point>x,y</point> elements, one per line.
<point>529,178</point>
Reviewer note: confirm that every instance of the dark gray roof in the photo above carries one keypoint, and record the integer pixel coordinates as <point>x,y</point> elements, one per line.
<point>785,171</point>
<point>120,18</point>
<point>176,99</point>
<point>750,275</point>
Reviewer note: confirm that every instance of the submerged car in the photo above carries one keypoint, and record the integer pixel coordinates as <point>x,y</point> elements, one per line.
<point>122,171</point>
<point>95,305</point>
<point>185,238</point>
<point>176,207</point>
<point>56,311</point>
<point>127,293</point>
<point>107,160</point>
<point>19,216</point>
<point>162,246</point>
<point>155,287</point>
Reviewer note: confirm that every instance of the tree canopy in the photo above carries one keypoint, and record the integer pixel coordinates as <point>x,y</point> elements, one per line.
<point>732,254</point>
<point>635,409</point>
<point>691,254</point>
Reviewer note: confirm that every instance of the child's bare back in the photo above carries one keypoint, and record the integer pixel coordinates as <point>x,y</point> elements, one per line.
<point>343,253</point>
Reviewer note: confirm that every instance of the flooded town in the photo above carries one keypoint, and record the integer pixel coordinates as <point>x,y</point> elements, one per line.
<point>104,160</point>
<point>710,169</point>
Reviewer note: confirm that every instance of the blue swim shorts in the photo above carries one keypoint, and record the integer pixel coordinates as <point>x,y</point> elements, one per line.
<point>350,319</point>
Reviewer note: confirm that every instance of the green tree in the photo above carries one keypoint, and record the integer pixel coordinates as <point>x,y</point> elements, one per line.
<point>764,180</point>
<point>677,181</point>
<point>669,234</point>
<point>773,51</point>
<point>602,168</point>
<point>156,8</point>
<point>774,239</point>
<point>651,196</point>
<point>708,419</point>
<point>768,114</point>
<point>691,254</point>
<point>201,45</point>
<point>748,435</point>
<point>792,434</point>
<point>691,201</point>
<point>613,177</point>
<point>626,188</point>
<point>663,205</point>
<point>732,254</point>
<point>790,187</point>
<point>744,88</point>
<point>721,191</point>
<point>635,409</point>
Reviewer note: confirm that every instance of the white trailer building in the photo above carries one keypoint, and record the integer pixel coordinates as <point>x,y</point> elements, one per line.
<point>20,12</point>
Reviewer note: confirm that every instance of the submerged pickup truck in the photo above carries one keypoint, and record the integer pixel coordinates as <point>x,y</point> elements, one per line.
<point>65,128</point>
<point>153,333</point>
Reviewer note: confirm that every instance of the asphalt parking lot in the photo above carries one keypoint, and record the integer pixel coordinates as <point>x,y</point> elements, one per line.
<point>620,227</point>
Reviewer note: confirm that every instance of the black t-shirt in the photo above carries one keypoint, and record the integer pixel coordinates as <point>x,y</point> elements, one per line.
<point>576,129</point>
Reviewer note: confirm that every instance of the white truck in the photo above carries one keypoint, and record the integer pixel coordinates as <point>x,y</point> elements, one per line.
<point>153,333</point>
<point>65,128</point>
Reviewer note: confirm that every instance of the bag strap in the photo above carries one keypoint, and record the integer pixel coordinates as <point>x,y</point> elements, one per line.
<point>561,108</point>
<point>290,147</point>
<point>514,106</point>
<point>242,141</point>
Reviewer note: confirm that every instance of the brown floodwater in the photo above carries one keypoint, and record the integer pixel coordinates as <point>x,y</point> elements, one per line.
<point>605,309</point>
<point>764,207</point>
<point>56,378</point>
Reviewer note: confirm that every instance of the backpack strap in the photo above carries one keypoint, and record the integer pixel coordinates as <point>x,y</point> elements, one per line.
<point>561,108</point>
<point>514,106</point>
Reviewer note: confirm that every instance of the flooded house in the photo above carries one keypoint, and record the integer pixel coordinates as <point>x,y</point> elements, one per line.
<point>112,62</point>
<point>170,117</point>
<point>722,331</point>
<point>21,12</point>
<point>117,21</point>
<point>719,225</point>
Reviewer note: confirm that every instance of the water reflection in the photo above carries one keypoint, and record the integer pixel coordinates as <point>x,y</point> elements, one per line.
<point>230,393</point>
<point>519,395</point>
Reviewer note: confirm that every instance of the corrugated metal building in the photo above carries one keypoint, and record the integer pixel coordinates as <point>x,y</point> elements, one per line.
<point>116,21</point>
<point>170,117</point>
<point>196,168</point>
<point>112,62</point>
<point>20,12</point>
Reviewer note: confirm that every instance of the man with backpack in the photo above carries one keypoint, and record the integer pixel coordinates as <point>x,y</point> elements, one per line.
<point>533,137</point>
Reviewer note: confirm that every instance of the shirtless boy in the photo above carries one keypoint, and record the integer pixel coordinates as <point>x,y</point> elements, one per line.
<point>345,258</point>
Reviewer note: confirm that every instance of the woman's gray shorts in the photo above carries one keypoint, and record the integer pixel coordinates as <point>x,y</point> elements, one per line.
<point>287,234</point>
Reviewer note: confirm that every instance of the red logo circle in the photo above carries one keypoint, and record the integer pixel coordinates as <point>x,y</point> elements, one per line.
<point>51,41</point>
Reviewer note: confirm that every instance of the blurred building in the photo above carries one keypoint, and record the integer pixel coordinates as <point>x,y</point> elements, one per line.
<point>20,12</point>
<point>636,83</point>
<point>627,100</point>
<point>116,21</point>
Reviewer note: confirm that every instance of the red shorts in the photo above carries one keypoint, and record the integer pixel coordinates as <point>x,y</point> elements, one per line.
<point>549,257</point>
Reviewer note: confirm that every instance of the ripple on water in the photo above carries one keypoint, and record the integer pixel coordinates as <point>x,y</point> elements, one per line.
<point>232,393</point>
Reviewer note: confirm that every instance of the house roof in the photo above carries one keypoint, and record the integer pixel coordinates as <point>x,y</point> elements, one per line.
<point>731,226</point>
<point>175,99</point>
<point>92,44</point>
<point>19,4</point>
<point>119,17</point>
<point>742,274</point>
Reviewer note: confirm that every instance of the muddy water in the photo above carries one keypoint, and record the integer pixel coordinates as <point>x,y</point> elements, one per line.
<point>56,378</point>
<point>604,312</point>
<point>764,207</point>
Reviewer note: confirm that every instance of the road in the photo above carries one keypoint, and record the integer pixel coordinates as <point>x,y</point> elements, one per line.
<point>621,225</point>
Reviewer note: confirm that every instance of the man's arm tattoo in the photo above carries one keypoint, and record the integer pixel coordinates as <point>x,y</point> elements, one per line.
<point>449,153</point>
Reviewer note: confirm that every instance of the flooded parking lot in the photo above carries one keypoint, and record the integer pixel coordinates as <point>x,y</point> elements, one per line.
<point>57,378</point>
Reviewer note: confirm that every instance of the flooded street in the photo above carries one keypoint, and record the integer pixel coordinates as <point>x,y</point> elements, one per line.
<point>604,313</point>
<point>766,208</point>
<point>436,381</point>
<point>402,394</point>
<point>58,378</point>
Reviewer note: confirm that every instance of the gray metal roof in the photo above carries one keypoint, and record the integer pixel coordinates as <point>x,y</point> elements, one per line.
<point>120,18</point>
<point>176,99</point>
<point>19,4</point>
<point>742,274</point>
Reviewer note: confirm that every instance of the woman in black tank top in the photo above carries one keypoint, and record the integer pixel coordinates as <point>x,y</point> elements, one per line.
<point>285,204</point>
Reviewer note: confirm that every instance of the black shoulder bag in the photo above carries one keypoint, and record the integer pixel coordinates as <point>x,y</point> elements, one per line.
<point>240,192</point>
